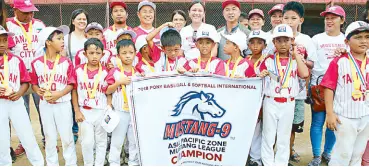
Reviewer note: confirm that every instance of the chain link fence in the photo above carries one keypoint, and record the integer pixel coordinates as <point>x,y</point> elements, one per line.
<point>54,15</point>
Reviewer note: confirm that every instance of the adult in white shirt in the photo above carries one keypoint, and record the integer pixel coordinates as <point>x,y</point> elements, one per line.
<point>326,43</point>
<point>74,41</point>
<point>196,12</point>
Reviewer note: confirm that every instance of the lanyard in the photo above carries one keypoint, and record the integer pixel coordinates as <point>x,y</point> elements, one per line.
<point>148,65</point>
<point>124,92</point>
<point>56,62</point>
<point>5,80</point>
<point>91,93</point>
<point>167,64</point>
<point>356,75</point>
<point>199,63</point>
<point>234,67</point>
<point>115,30</point>
<point>27,35</point>
<point>257,61</point>
<point>287,74</point>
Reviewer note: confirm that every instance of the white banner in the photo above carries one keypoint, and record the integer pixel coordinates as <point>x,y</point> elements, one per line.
<point>194,120</point>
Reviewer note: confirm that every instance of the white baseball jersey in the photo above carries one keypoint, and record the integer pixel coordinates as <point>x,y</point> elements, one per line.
<point>110,37</point>
<point>100,100</point>
<point>273,88</point>
<point>339,79</point>
<point>141,31</point>
<point>80,58</point>
<point>161,64</point>
<point>216,66</point>
<point>243,69</point>
<point>325,45</point>
<point>113,76</point>
<point>21,46</point>
<point>17,71</point>
<point>143,68</point>
<point>63,77</point>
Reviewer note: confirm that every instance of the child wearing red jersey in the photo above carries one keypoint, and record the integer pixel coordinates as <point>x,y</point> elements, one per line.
<point>89,101</point>
<point>117,79</point>
<point>205,41</point>
<point>284,69</point>
<point>93,30</point>
<point>55,105</point>
<point>346,98</point>
<point>14,80</point>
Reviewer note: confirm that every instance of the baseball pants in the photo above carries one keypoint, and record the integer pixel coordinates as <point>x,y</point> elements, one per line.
<point>36,100</point>
<point>255,150</point>
<point>58,118</point>
<point>117,140</point>
<point>92,134</point>
<point>15,112</point>
<point>351,138</point>
<point>277,121</point>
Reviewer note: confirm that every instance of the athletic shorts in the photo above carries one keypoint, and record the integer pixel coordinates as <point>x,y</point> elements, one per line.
<point>298,119</point>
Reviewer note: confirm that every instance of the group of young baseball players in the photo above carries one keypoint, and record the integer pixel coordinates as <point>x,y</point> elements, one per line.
<point>94,82</point>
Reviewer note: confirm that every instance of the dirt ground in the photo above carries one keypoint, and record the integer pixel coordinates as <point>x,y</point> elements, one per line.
<point>302,144</point>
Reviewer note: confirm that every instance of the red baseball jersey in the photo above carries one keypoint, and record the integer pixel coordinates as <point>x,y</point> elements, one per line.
<point>82,59</point>
<point>140,31</point>
<point>216,66</point>
<point>146,69</point>
<point>273,88</point>
<point>17,71</point>
<point>110,37</point>
<point>339,79</point>
<point>63,77</point>
<point>113,76</point>
<point>20,41</point>
<point>257,65</point>
<point>100,100</point>
<point>244,68</point>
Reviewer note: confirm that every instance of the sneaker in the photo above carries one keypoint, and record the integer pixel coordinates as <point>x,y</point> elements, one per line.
<point>19,151</point>
<point>315,162</point>
<point>254,163</point>
<point>326,157</point>
<point>12,154</point>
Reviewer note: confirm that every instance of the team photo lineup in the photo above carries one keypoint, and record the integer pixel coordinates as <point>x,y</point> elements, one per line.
<point>78,75</point>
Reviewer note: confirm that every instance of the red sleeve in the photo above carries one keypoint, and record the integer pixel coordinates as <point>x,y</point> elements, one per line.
<point>263,66</point>
<point>24,75</point>
<point>155,53</point>
<point>110,78</point>
<point>250,71</point>
<point>75,86</point>
<point>139,67</point>
<point>77,59</point>
<point>187,66</point>
<point>220,70</point>
<point>33,75</point>
<point>11,43</point>
<point>330,78</point>
<point>71,74</point>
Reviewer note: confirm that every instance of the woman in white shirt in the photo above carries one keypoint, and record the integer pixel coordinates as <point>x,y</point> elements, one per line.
<point>74,41</point>
<point>179,19</point>
<point>326,43</point>
<point>196,12</point>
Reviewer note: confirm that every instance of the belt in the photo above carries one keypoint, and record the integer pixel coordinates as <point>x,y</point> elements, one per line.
<point>87,107</point>
<point>281,99</point>
<point>4,97</point>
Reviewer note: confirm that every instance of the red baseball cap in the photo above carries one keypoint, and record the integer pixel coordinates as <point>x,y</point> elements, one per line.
<point>278,7</point>
<point>337,10</point>
<point>118,3</point>
<point>256,11</point>
<point>25,6</point>
<point>228,2</point>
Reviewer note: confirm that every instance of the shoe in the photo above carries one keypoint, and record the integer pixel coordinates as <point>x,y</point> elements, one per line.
<point>315,162</point>
<point>254,163</point>
<point>289,164</point>
<point>326,157</point>
<point>12,154</point>
<point>19,151</point>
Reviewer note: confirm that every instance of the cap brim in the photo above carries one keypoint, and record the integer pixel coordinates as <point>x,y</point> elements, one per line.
<point>131,33</point>
<point>28,9</point>
<point>93,27</point>
<point>64,29</point>
<point>276,36</point>
<point>226,3</point>
<point>273,10</point>
<point>7,33</point>
<point>360,29</point>
<point>205,38</point>
<point>257,37</point>
<point>328,12</point>
<point>256,14</point>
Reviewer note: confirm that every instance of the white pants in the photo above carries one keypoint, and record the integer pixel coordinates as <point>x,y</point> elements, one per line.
<point>92,134</point>
<point>117,139</point>
<point>58,118</point>
<point>277,120</point>
<point>255,150</point>
<point>15,111</point>
<point>351,138</point>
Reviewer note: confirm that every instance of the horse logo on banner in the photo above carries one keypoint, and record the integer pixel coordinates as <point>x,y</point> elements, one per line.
<point>199,103</point>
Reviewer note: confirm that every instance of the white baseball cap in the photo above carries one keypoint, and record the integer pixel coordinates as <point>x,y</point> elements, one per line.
<point>110,121</point>
<point>239,38</point>
<point>210,34</point>
<point>46,32</point>
<point>356,26</point>
<point>3,31</point>
<point>146,3</point>
<point>140,42</point>
<point>282,30</point>
<point>94,25</point>
<point>129,32</point>
<point>257,34</point>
